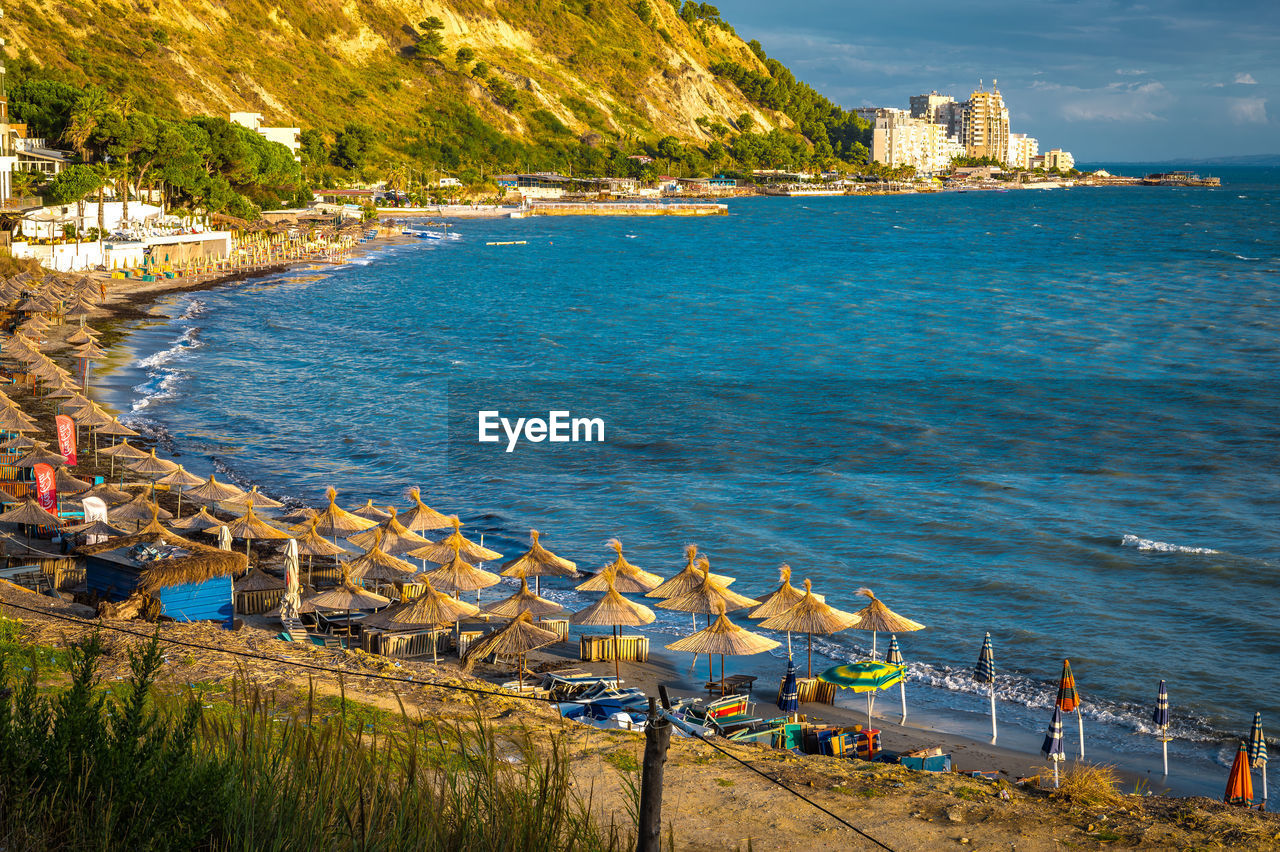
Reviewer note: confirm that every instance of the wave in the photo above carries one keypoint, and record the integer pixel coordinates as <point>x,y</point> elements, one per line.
<point>1161,546</point>
<point>189,340</point>
<point>194,309</point>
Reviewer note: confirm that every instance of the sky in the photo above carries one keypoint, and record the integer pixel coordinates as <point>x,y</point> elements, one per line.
<point>1108,80</point>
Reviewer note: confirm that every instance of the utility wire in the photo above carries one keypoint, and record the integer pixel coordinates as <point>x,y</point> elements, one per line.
<point>448,686</point>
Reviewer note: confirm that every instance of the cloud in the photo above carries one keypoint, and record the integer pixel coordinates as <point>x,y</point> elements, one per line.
<point>1247,110</point>
<point>1244,78</point>
<point>1114,102</point>
<point>1131,72</point>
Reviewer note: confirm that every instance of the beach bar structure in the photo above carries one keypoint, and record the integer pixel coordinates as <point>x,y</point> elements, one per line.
<point>189,581</point>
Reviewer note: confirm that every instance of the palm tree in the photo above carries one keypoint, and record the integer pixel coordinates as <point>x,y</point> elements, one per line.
<point>86,115</point>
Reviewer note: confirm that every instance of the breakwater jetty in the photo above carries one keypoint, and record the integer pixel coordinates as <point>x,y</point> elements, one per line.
<point>591,208</point>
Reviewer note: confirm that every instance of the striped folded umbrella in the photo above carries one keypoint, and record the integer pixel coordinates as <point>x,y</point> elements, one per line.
<point>1069,699</point>
<point>985,672</point>
<point>1052,747</point>
<point>1161,719</point>
<point>1239,782</point>
<point>894,657</point>
<point>789,699</point>
<point>1258,753</point>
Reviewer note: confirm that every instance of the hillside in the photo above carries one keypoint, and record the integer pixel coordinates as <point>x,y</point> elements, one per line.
<point>547,70</point>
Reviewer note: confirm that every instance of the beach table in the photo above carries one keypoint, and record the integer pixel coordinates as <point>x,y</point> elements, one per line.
<point>739,684</point>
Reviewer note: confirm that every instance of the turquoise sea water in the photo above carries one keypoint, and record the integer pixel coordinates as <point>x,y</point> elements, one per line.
<point>1050,415</point>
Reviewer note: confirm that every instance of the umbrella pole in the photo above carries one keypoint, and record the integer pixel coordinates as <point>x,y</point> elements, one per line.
<point>1055,774</point>
<point>617,670</point>
<point>694,664</point>
<point>1080,720</point>
<point>810,655</point>
<point>1164,748</point>
<point>902,688</point>
<point>874,634</point>
<point>721,675</point>
<point>993,712</point>
<point>788,643</point>
<point>869,700</point>
<point>179,514</point>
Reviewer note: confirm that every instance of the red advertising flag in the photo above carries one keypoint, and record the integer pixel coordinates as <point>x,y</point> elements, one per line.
<point>66,438</point>
<point>46,488</point>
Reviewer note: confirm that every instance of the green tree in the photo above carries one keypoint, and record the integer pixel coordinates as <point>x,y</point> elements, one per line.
<point>352,146</point>
<point>430,46</point>
<point>84,119</point>
<point>481,70</point>
<point>72,185</point>
<point>464,55</point>
<point>43,105</point>
<point>746,122</point>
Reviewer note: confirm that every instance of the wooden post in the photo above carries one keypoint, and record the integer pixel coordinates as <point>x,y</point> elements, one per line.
<point>657,736</point>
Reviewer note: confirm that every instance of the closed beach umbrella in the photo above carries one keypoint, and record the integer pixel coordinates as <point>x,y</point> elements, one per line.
<point>334,522</point>
<point>811,615</point>
<point>224,538</point>
<point>516,640</point>
<point>867,676</point>
<point>371,512</point>
<point>390,535</point>
<point>538,562</point>
<point>291,602</point>
<point>454,544</point>
<point>985,672</point>
<point>723,637</point>
<point>1161,718</point>
<point>1258,753</point>
<point>457,575</point>
<point>1052,747</point>
<point>524,600</point>
<point>614,611</point>
<point>1239,782</point>
<point>213,491</point>
<point>875,617</point>
<point>420,516</point>
<point>1069,699</point>
<point>789,698</point>
<point>201,521</point>
<point>894,657</point>
<point>687,578</point>
<point>252,528</point>
<point>180,480</point>
<point>626,578</point>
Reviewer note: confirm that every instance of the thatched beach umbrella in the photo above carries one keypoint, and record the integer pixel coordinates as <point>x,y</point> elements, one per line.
<point>125,452</point>
<point>875,617</point>
<point>456,575</point>
<point>152,466</point>
<point>107,493</point>
<point>68,484</point>
<point>724,638</point>
<point>614,611</point>
<point>94,528</point>
<point>334,521</point>
<point>811,615</point>
<point>780,600</point>
<point>454,544</point>
<point>348,597</point>
<point>517,639</point>
<point>258,580</point>
<point>432,608</point>
<point>537,562</point>
<point>626,578</point>
<point>201,521</point>
<point>687,579</point>
<point>390,535</point>
<point>299,516</point>
<point>420,516</point>
<point>707,598</point>
<point>138,510</point>
<point>21,442</point>
<point>252,528</point>
<point>253,498</point>
<point>523,601</point>
<point>377,564</point>
<point>41,456</point>
<point>312,544</point>
<point>29,513</point>
<point>371,512</point>
<point>213,492</point>
<point>181,480</point>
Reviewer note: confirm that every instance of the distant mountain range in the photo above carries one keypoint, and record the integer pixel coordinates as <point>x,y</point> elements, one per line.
<point>1250,160</point>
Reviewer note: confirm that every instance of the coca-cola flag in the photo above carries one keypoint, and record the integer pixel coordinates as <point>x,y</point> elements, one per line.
<point>66,438</point>
<point>46,489</point>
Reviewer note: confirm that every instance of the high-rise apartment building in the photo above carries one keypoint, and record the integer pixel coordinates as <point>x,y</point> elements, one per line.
<point>900,140</point>
<point>986,126</point>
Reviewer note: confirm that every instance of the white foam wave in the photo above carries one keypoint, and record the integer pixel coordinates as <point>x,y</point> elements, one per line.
<point>1160,546</point>
<point>194,309</point>
<point>189,340</point>
<point>158,387</point>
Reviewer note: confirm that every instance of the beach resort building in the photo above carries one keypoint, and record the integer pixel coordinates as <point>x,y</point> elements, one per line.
<point>1059,159</point>
<point>289,137</point>
<point>939,109</point>
<point>985,131</point>
<point>1022,148</point>
<point>899,139</point>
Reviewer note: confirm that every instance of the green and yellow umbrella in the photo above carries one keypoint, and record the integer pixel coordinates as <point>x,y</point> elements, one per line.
<point>867,676</point>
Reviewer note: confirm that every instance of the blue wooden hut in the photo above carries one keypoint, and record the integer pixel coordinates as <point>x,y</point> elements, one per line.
<point>190,581</point>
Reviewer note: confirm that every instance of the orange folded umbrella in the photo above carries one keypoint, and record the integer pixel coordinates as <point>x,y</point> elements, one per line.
<point>1240,782</point>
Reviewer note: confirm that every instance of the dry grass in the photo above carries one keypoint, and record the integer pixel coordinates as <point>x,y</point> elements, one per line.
<point>1090,785</point>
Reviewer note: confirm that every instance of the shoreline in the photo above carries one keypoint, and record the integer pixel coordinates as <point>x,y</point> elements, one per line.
<point>131,304</point>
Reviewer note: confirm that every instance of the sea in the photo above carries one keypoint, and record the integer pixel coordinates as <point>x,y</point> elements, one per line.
<point>1053,416</point>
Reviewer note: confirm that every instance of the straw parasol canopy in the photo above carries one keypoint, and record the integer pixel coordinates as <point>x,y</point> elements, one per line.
<point>708,596</point>
<point>723,637</point>
<point>390,535</point>
<point>457,575</point>
<point>311,543</point>
<point>250,528</point>
<point>41,456</point>
<point>371,512</point>
<point>124,451</point>
<point>68,484</point>
<point>688,578</point>
<point>152,466</point>
<point>138,510</point>
<point>454,544</point>
<point>420,516</point>
<point>626,577</point>
<point>181,480</point>
<point>107,493</point>
<point>82,335</point>
<point>21,442</point>
<point>811,615</point>
<point>875,617</point>
<point>213,491</point>
<point>300,515</point>
<point>523,601</point>
<point>253,498</point>
<point>201,521</point>
<point>348,597</point>
<point>517,639</point>
<point>432,608</point>
<point>376,564</point>
<point>334,521</point>
<point>613,610</point>
<point>30,513</point>
<point>258,580</point>
<point>537,562</point>
<point>95,528</point>
<point>780,599</point>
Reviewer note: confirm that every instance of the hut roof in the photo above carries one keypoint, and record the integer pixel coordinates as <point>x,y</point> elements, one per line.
<point>96,528</point>
<point>107,493</point>
<point>115,429</point>
<point>177,561</point>
<point>877,616</point>
<point>537,561</point>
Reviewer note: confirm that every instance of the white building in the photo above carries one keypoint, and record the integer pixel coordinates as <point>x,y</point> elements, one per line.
<point>1022,149</point>
<point>1056,158</point>
<point>289,137</point>
<point>900,140</point>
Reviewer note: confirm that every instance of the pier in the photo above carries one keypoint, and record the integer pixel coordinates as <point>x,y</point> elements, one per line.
<point>606,208</point>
